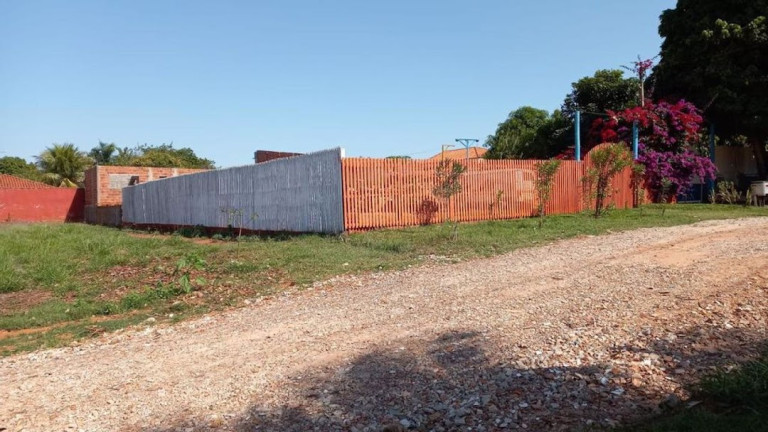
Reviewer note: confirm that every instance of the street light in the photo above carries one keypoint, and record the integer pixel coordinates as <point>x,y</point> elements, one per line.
<point>466,142</point>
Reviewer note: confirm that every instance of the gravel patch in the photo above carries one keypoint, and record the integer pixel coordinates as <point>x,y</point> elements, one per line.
<point>590,331</point>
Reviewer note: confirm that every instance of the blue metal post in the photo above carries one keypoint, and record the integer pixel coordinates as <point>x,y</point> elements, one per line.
<point>577,133</point>
<point>635,140</point>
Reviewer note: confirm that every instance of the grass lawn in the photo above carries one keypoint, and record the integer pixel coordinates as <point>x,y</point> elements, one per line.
<point>60,283</point>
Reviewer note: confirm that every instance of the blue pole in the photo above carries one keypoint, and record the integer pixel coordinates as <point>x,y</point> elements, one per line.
<point>635,139</point>
<point>577,130</point>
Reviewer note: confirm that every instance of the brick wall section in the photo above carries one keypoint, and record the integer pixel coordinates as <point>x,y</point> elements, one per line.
<point>266,155</point>
<point>104,184</point>
<point>90,183</point>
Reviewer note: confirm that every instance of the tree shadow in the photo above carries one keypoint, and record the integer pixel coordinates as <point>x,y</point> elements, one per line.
<point>426,211</point>
<point>462,379</point>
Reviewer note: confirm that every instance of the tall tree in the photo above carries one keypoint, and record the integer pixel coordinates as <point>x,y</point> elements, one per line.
<point>605,90</point>
<point>715,53</point>
<point>515,137</point>
<point>19,167</point>
<point>103,153</point>
<point>63,165</point>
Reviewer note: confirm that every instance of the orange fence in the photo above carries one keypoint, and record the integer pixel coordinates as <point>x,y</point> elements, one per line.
<point>382,193</point>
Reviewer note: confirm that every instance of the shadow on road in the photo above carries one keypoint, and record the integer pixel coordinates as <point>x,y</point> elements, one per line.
<point>456,382</point>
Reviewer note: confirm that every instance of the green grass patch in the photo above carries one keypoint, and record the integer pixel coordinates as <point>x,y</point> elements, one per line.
<point>733,400</point>
<point>92,271</point>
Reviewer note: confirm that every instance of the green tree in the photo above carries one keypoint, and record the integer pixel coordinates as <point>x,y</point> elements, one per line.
<point>515,137</point>
<point>124,156</point>
<point>448,173</point>
<point>164,155</point>
<point>605,90</point>
<point>606,162</point>
<point>103,153</point>
<point>545,178</point>
<point>63,165</point>
<point>715,54</point>
<point>529,133</point>
<point>19,167</point>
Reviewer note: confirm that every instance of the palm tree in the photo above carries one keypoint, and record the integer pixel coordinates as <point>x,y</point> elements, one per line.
<point>63,165</point>
<point>102,154</point>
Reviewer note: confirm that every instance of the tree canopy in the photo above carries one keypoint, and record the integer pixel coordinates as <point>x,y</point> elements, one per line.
<point>63,165</point>
<point>527,133</point>
<point>605,90</point>
<point>715,53</point>
<point>103,153</point>
<point>163,155</point>
<point>19,167</point>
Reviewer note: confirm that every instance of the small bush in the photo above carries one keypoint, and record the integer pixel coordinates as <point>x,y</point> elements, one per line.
<point>606,163</point>
<point>545,176</point>
<point>727,193</point>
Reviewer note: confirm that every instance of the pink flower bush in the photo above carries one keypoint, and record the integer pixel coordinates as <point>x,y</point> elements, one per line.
<point>669,136</point>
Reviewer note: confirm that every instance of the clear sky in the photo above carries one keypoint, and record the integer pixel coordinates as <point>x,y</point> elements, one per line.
<point>379,78</point>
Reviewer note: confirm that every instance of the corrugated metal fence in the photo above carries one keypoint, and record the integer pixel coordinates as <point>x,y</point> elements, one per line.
<point>298,194</point>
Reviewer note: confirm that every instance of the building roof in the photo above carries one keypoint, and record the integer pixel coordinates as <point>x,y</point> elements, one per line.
<point>461,153</point>
<point>13,182</point>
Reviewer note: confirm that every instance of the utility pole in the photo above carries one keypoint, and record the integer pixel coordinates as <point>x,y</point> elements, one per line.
<point>442,150</point>
<point>466,142</point>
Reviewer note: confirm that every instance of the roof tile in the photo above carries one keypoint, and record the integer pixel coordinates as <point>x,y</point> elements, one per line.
<point>13,182</point>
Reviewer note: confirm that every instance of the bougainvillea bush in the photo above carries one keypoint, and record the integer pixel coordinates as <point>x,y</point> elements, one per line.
<point>671,143</point>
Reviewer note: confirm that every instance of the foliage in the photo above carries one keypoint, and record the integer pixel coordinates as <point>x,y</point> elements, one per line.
<point>606,162</point>
<point>515,136</point>
<point>637,180</point>
<point>605,90</point>
<point>399,157</point>
<point>545,177</point>
<point>163,155</point>
<point>528,133</point>
<point>235,219</point>
<point>641,68</point>
<point>63,165</point>
<point>19,167</point>
<point>715,53</point>
<point>734,399</point>
<point>448,173</point>
<point>184,268</point>
<point>103,153</point>
<point>670,143</point>
<point>727,193</point>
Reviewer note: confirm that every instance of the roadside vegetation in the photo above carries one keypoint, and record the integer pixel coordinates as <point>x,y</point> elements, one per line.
<point>60,283</point>
<point>728,400</point>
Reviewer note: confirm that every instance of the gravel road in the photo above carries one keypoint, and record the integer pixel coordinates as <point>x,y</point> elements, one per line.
<point>590,331</point>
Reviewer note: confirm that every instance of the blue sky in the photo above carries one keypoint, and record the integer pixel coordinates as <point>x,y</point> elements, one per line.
<point>227,78</point>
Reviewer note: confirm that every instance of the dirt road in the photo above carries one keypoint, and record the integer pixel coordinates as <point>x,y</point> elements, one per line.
<point>590,330</point>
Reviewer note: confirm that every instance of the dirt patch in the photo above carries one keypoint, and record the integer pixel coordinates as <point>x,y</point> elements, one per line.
<point>581,332</point>
<point>22,300</point>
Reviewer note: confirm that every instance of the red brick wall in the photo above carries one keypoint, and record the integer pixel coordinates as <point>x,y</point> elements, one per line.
<point>42,205</point>
<point>103,190</point>
<point>265,155</point>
